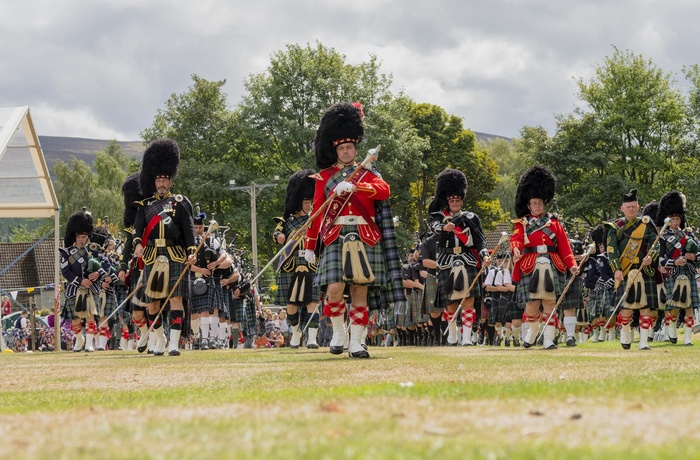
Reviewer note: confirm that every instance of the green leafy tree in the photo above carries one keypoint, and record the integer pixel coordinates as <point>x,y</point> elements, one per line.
<point>631,135</point>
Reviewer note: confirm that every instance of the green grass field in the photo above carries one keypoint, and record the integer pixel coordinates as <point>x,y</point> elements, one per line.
<point>592,401</point>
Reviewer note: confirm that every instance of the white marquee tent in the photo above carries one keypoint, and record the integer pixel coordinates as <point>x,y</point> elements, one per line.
<point>26,190</point>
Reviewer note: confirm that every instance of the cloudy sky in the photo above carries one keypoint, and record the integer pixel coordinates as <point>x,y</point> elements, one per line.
<point>101,68</point>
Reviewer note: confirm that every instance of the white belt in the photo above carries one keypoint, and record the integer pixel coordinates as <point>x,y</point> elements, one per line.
<point>350,220</point>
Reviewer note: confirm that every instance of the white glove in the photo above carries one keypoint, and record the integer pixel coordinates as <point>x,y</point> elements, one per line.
<point>343,188</point>
<point>310,256</point>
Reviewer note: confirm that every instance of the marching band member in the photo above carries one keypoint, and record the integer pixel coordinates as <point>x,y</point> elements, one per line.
<point>355,237</point>
<point>163,239</point>
<point>541,252</point>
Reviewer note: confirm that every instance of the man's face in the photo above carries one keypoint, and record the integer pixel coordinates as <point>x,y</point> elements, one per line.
<point>455,204</point>
<point>675,222</point>
<point>81,240</point>
<point>536,206</point>
<point>630,209</point>
<point>198,230</point>
<point>163,185</point>
<point>306,206</point>
<point>346,153</point>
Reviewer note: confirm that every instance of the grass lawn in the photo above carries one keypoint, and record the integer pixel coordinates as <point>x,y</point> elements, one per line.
<point>592,401</point>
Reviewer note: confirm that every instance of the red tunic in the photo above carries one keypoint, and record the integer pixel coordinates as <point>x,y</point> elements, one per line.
<point>370,188</point>
<point>562,259</point>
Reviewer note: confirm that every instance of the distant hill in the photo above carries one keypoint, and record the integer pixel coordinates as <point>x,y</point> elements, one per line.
<point>64,148</point>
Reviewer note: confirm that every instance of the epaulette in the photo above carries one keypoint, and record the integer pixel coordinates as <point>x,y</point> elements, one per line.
<point>279,220</point>
<point>522,220</point>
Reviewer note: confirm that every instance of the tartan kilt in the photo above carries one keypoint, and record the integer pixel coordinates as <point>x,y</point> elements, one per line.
<point>284,284</point>
<point>415,302</point>
<point>573,299</point>
<point>237,310</point>
<point>442,279</point>
<point>559,279</point>
<point>499,305</point>
<point>649,287</point>
<point>670,283</point>
<point>514,310</point>
<point>110,302</point>
<point>430,302</point>
<point>600,303</point>
<point>224,300</point>
<point>175,269</point>
<point>68,310</point>
<point>401,310</point>
<point>330,266</point>
<point>205,302</point>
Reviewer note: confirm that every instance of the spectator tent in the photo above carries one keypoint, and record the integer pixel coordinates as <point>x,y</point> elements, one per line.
<point>26,190</point>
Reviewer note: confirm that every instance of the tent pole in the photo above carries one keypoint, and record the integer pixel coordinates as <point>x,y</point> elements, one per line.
<point>57,286</point>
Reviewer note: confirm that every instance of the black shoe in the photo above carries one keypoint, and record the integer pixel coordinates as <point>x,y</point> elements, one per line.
<point>452,344</point>
<point>142,348</point>
<point>158,353</point>
<point>516,342</point>
<point>552,347</point>
<point>312,346</point>
<point>359,354</point>
<point>626,346</point>
<point>204,344</point>
<point>571,342</point>
<point>527,344</point>
<point>644,348</point>
<point>673,340</point>
<point>294,346</point>
<point>689,344</point>
<point>337,350</point>
<point>506,342</point>
<point>174,353</point>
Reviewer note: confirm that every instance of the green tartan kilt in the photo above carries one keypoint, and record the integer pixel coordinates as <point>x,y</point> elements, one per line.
<point>203,303</point>
<point>670,283</point>
<point>222,300</point>
<point>110,303</point>
<point>573,299</point>
<point>430,298</point>
<point>330,266</point>
<point>600,303</point>
<point>175,269</point>
<point>649,287</point>
<point>284,284</point>
<point>68,310</point>
<point>237,310</point>
<point>559,279</point>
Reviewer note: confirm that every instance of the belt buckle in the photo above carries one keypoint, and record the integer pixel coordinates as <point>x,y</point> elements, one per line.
<point>542,249</point>
<point>457,250</point>
<point>350,220</point>
<point>160,242</point>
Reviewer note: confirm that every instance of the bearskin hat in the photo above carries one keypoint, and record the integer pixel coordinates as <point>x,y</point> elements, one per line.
<point>299,188</point>
<point>651,209</point>
<point>131,193</point>
<point>536,182</point>
<point>598,235</point>
<point>449,183</point>
<point>672,204</point>
<point>80,222</point>
<point>160,159</point>
<point>341,123</point>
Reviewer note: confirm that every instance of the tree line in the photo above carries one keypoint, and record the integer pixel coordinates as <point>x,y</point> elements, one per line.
<point>632,128</point>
